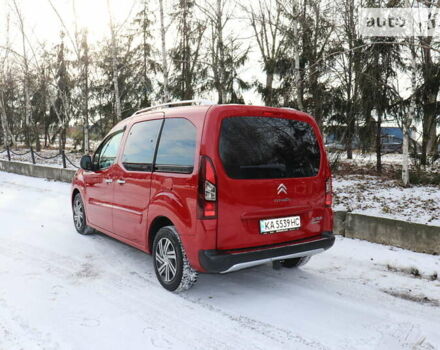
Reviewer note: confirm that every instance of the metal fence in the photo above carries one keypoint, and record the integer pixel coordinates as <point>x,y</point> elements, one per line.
<point>65,159</point>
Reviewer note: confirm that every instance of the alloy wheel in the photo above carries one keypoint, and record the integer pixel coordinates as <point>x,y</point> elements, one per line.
<point>78,213</point>
<point>166,260</point>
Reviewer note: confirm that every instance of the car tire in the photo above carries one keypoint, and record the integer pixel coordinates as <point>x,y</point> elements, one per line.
<point>170,262</point>
<point>79,216</point>
<point>295,262</point>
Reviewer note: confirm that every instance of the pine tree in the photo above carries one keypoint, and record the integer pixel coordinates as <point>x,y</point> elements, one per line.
<point>188,70</point>
<point>225,54</point>
<point>63,100</point>
<point>145,53</point>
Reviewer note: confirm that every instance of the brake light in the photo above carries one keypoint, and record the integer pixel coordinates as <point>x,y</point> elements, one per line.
<point>328,192</point>
<point>207,198</point>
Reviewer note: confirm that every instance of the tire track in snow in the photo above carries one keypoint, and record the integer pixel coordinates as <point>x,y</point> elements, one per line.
<point>249,333</point>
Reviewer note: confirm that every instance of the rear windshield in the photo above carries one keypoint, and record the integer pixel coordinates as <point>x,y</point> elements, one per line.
<point>266,148</point>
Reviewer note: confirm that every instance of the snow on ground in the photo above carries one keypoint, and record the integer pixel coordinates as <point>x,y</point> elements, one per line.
<point>375,196</point>
<point>61,290</point>
<point>370,158</point>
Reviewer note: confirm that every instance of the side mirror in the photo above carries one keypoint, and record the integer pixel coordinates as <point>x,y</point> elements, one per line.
<point>86,162</point>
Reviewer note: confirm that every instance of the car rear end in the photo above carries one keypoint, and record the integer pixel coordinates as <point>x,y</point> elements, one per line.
<point>265,181</point>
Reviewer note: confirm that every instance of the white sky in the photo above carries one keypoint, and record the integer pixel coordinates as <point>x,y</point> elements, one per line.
<point>43,26</point>
<point>42,22</point>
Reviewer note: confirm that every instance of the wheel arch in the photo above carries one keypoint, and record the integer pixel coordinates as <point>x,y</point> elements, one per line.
<point>156,225</point>
<point>74,193</point>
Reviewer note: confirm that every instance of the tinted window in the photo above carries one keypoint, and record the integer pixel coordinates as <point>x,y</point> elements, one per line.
<point>264,148</point>
<point>141,143</point>
<point>107,152</point>
<point>177,146</point>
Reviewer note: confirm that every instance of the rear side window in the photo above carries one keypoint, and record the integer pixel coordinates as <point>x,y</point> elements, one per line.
<point>177,146</point>
<point>141,143</point>
<point>266,148</point>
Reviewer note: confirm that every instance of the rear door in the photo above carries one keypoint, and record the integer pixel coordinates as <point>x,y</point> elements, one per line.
<point>269,170</point>
<point>133,179</point>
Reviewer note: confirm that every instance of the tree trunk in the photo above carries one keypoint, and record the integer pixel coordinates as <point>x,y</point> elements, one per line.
<point>115,69</point>
<point>116,87</point>
<point>350,134</point>
<point>63,137</point>
<point>220,50</point>
<point>431,142</point>
<point>8,137</point>
<point>86,146</point>
<point>37,139</point>
<point>46,135</point>
<point>298,77</point>
<point>405,153</point>
<point>166,94</point>
<point>379,143</point>
<point>27,102</point>
<point>350,116</point>
<point>406,123</point>
<point>268,98</point>
<point>429,96</point>
<point>144,50</point>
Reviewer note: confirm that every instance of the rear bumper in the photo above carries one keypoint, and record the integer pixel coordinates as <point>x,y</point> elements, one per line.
<point>219,261</point>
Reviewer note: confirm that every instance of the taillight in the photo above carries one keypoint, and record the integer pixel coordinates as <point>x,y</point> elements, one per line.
<point>207,198</point>
<point>328,192</point>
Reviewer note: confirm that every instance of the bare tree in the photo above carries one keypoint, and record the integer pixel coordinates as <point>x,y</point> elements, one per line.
<point>117,96</point>
<point>217,18</point>
<point>145,49</point>
<point>80,46</point>
<point>165,72</point>
<point>265,19</point>
<point>85,62</point>
<point>26,76</point>
<point>186,54</point>
<point>298,77</point>
<point>8,137</point>
<point>430,69</point>
<point>224,53</point>
<point>351,70</point>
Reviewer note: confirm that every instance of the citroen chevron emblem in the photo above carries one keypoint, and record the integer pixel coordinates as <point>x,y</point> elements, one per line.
<point>282,188</point>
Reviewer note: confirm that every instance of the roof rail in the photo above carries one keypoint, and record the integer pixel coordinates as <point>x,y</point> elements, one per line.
<point>175,103</point>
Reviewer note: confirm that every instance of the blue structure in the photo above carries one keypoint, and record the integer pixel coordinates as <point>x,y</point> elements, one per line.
<point>392,139</point>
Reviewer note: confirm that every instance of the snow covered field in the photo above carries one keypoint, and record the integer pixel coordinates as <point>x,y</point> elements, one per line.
<point>61,290</point>
<point>372,195</point>
<point>369,159</point>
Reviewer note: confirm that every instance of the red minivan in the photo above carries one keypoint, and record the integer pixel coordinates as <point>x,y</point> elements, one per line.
<point>209,188</point>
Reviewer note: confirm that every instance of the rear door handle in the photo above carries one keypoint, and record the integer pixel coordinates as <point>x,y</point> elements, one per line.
<point>108,181</point>
<point>120,181</point>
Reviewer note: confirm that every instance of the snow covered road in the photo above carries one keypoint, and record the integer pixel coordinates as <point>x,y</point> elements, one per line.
<point>61,290</point>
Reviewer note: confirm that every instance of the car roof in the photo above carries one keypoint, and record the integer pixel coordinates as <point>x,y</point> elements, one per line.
<point>199,111</point>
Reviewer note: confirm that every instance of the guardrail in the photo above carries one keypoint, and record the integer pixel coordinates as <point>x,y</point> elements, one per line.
<point>417,237</point>
<point>62,154</point>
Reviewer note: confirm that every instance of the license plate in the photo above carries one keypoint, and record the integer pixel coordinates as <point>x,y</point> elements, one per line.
<point>280,224</point>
